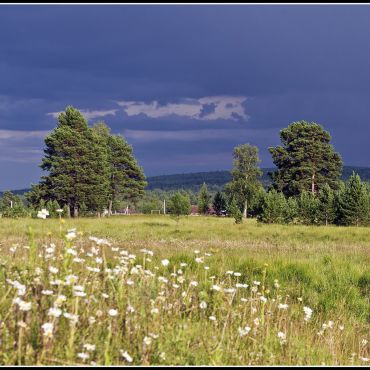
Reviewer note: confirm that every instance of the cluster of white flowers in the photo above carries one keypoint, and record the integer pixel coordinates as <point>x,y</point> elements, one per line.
<point>23,306</point>
<point>282,337</point>
<point>244,331</point>
<point>43,214</point>
<point>307,312</point>
<point>48,328</point>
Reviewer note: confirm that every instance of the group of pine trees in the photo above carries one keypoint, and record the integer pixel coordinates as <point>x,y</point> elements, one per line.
<point>89,170</point>
<point>348,205</point>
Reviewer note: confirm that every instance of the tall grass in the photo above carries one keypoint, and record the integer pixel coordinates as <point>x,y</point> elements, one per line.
<point>139,290</point>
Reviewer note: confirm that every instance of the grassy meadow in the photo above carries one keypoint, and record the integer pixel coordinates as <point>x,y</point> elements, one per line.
<point>143,290</point>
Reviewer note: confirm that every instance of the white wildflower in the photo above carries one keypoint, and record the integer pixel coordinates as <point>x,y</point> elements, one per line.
<point>48,329</point>
<point>154,311</point>
<point>282,306</point>
<point>72,317</point>
<point>84,356</point>
<point>203,305</point>
<point>71,234</point>
<point>308,313</point>
<point>147,341</point>
<point>126,356</point>
<point>112,312</point>
<point>54,311</point>
<point>244,331</point>
<point>25,306</point>
<point>282,337</point>
<point>53,270</point>
<point>89,347</point>
<point>60,299</point>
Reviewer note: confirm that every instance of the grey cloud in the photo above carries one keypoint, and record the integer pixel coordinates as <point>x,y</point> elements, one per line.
<point>224,107</point>
<point>89,114</point>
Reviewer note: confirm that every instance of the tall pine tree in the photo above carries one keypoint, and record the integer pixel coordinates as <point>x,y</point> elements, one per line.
<point>126,177</point>
<point>354,202</point>
<point>203,200</point>
<point>306,160</point>
<point>326,209</point>
<point>219,203</point>
<point>76,160</point>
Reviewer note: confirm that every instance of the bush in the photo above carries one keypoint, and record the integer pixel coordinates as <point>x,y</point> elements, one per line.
<point>179,204</point>
<point>273,208</point>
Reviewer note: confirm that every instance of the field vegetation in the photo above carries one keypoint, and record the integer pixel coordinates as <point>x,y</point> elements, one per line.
<point>147,290</point>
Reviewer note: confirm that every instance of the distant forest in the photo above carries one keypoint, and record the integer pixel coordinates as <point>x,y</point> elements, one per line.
<point>215,180</point>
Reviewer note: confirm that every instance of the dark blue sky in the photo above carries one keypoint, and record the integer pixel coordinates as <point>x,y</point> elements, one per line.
<point>183,84</point>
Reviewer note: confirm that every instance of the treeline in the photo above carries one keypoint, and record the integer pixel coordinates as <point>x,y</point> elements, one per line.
<point>348,205</point>
<point>306,188</point>
<point>90,171</point>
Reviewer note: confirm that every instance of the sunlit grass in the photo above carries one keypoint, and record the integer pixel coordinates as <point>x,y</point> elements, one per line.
<point>207,292</point>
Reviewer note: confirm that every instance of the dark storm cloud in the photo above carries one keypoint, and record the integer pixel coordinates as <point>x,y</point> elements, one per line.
<point>289,62</point>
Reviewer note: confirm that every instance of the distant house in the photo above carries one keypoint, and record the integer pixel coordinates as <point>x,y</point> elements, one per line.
<point>211,210</point>
<point>194,211</point>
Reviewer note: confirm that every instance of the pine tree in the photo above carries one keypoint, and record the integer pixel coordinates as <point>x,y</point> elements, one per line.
<point>306,160</point>
<point>236,212</point>
<point>308,208</point>
<point>273,208</point>
<point>219,203</point>
<point>203,200</point>
<point>290,213</point>
<point>354,202</point>
<point>326,209</point>
<point>76,160</point>
<point>34,196</point>
<point>126,178</point>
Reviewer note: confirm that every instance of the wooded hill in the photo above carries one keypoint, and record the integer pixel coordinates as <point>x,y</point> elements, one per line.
<point>215,180</point>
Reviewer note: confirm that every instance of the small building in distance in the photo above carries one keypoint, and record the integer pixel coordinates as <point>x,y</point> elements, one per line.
<point>195,211</point>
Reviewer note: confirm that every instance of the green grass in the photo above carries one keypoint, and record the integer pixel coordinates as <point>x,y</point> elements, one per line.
<point>324,268</point>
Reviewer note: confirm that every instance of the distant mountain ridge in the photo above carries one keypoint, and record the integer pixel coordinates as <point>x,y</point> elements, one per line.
<point>215,180</point>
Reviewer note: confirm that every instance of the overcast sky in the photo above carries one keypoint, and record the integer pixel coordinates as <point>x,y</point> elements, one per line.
<point>183,84</point>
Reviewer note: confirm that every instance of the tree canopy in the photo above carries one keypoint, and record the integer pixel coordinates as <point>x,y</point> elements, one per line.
<point>87,167</point>
<point>245,174</point>
<point>306,160</point>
